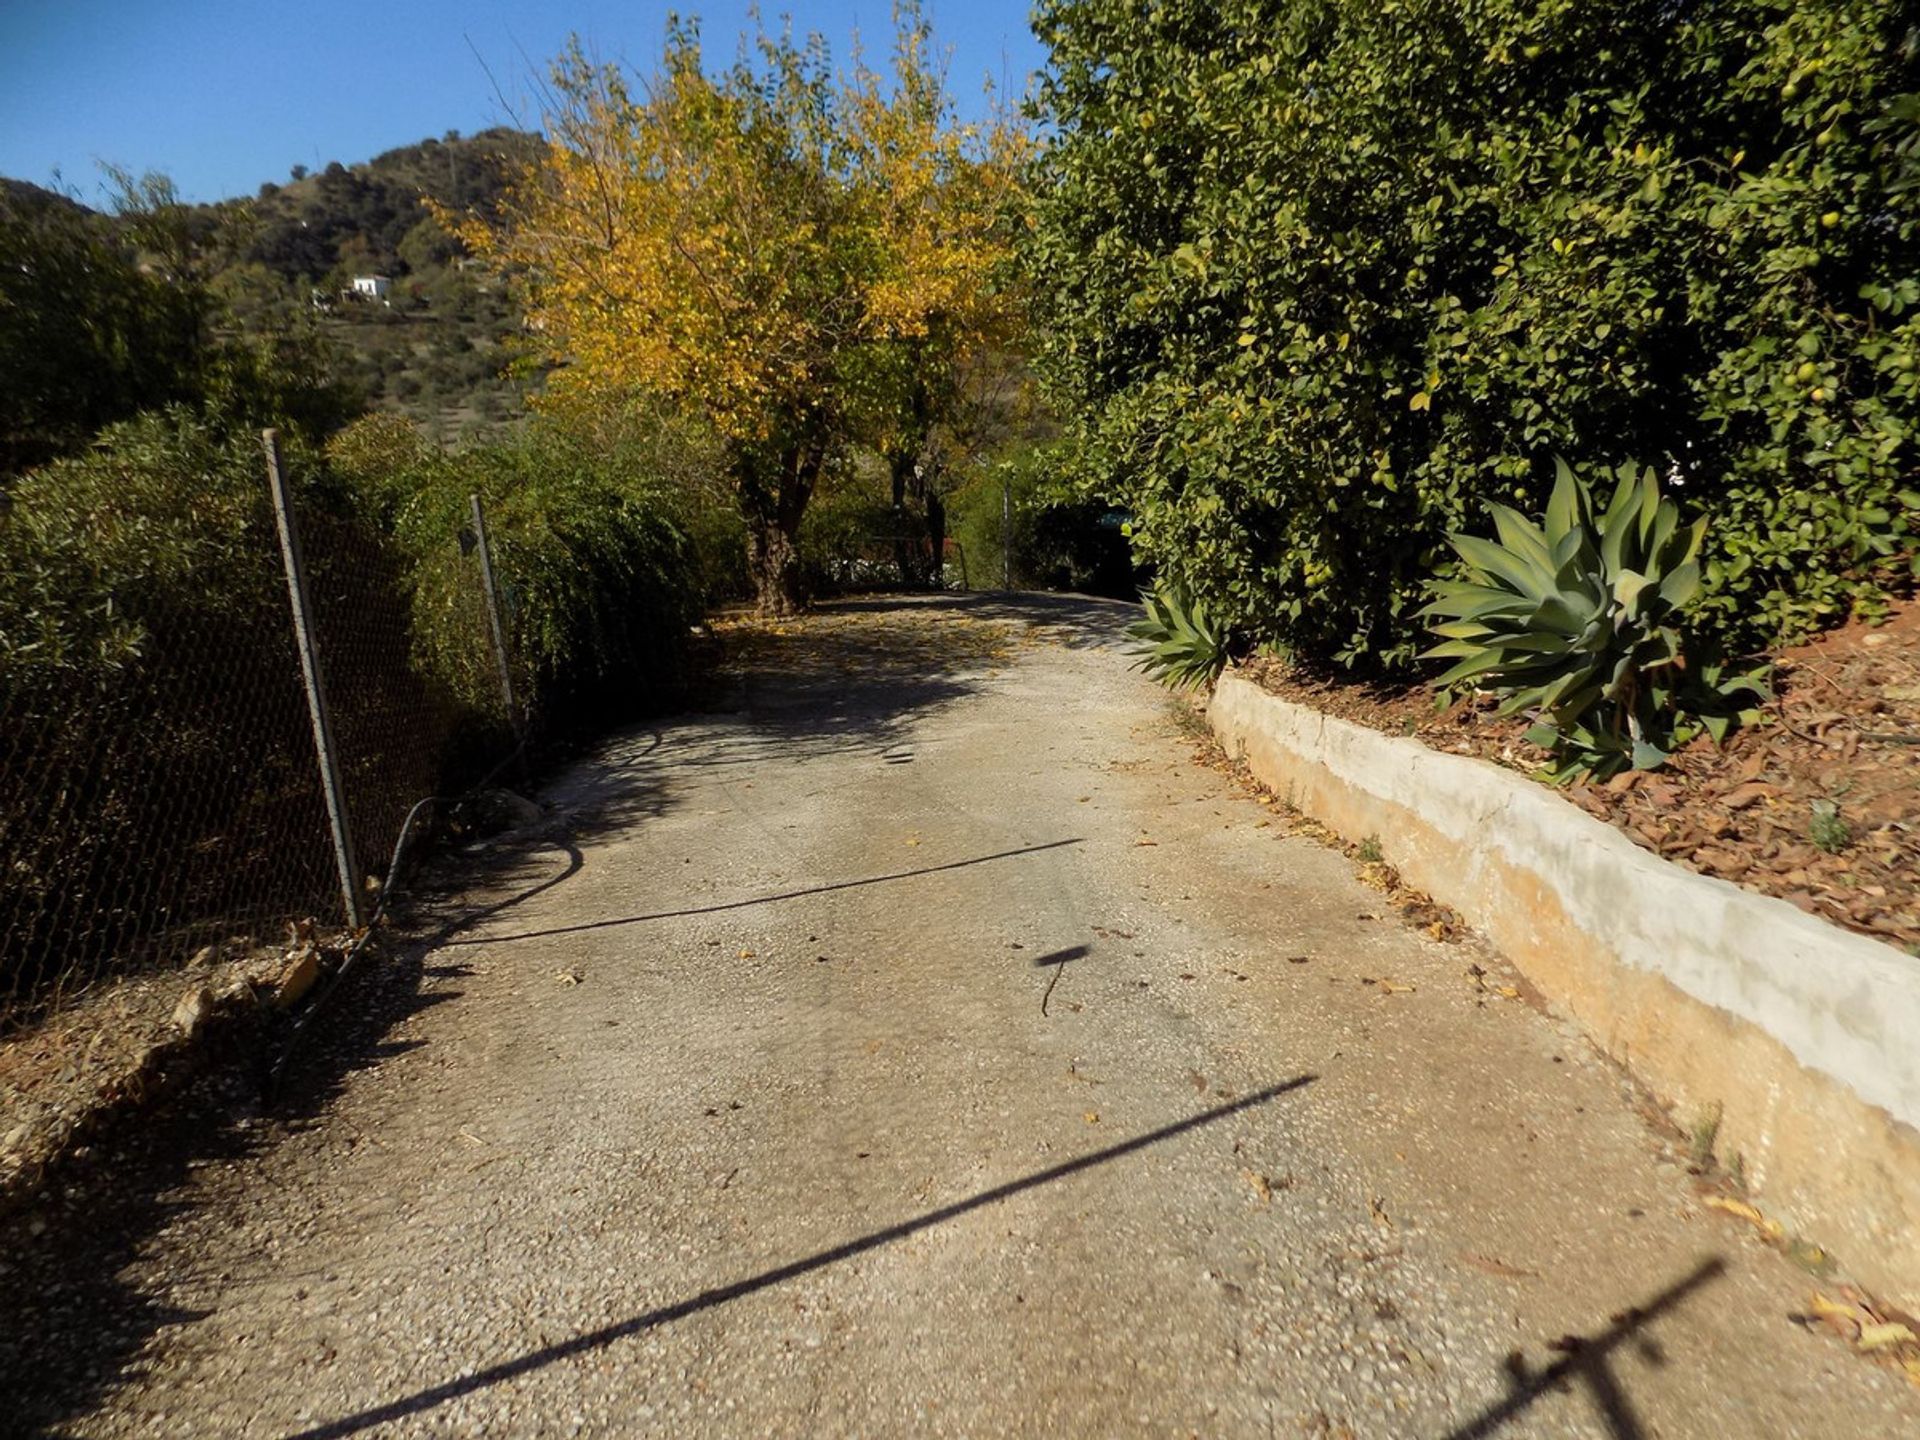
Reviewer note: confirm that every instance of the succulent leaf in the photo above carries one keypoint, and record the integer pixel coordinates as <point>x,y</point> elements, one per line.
<point>1180,644</point>
<point>1577,621</point>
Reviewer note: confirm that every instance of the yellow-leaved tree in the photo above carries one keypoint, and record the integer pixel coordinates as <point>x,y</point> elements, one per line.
<point>801,261</point>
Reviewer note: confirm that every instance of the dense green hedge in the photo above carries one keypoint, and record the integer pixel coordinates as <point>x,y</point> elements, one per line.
<point>157,785</point>
<point>103,318</point>
<point>600,581</point>
<point>164,518</point>
<point>1323,276</point>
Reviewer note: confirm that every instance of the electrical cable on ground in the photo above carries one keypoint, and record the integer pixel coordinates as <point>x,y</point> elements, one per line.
<point>271,1084</point>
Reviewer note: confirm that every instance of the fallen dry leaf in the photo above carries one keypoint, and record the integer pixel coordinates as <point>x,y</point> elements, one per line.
<point>1843,1319</point>
<point>1262,1187</point>
<point>1877,1337</point>
<point>1773,1229</point>
<point>1497,1267</point>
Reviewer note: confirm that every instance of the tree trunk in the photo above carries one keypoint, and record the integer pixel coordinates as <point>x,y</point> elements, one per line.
<point>773,558</point>
<point>774,491</point>
<point>900,464</point>
<point>937,534</point>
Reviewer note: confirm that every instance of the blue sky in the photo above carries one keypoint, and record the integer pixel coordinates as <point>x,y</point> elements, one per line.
<point>223,94</point>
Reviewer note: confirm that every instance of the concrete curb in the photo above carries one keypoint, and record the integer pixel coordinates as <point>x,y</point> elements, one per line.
<point>1806,1035</point>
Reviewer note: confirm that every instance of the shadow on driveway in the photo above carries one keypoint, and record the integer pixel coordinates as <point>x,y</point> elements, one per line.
<point>1587,1359</point>
<point>721,1294</point>
<point>758,899</point>
<point>78,1314</point>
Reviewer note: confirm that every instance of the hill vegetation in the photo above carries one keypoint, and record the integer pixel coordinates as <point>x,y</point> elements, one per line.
<point>107,309</point>
<point>438,347</point>
<point>103,317</point>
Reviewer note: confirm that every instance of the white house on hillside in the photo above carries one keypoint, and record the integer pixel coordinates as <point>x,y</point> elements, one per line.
<point>372,287</point>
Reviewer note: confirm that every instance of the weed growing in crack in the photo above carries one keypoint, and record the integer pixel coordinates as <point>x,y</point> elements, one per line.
<point>1828,831</point>
<point>1706,1131</point>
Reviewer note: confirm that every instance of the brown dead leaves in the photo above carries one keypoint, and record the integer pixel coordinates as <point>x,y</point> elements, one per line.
<point>1875,1330</point>
<point>1844,731</point>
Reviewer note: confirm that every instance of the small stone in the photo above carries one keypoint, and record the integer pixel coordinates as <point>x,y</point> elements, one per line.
<point>192,1011</point>
<point>297,978</point>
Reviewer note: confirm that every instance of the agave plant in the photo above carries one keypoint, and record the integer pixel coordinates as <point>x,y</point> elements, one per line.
<point>1577,621</point>
<point>1181,645</point>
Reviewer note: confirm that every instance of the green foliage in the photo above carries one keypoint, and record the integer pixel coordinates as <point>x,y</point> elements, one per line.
<point>1027,516</point>
<point>1321,278</point>
<point>718,536</point>
<point>158,770</point>
<point>162,522</point>
<point>1579,622</point>
<point>1181,644</point>
<point>86,338</point>
<point>853,538</point>
<point>102,317</point>
<point>600,581</point>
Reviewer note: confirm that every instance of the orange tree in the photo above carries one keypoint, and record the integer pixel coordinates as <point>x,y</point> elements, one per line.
<point>794,259</point>
<point>1318,279</point>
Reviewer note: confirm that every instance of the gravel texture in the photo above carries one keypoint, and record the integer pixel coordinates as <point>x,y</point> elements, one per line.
<point>926,1045</point>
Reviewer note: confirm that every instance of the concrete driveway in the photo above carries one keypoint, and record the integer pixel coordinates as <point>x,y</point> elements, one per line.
<point>926,1044</point>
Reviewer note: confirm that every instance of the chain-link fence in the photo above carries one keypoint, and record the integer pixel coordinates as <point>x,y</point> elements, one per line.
<point>175,800</point>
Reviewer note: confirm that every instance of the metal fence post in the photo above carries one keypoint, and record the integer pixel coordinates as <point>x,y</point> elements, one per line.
<point>1006,532</point>
<point>315,681</point>
<point>493,614</point>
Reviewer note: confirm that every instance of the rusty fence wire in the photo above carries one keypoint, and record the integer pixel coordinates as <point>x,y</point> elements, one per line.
<point>175,803</point>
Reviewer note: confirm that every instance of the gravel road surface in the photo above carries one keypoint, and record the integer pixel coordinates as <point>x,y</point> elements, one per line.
<point>922,1043</point>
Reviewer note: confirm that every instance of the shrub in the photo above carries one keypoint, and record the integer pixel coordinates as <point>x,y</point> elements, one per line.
<point>1321,278</point>
<point>1828,830</point>
<point>1055,538</point>
<point>598,577</point>
<point>89,337</point>
<point>718,537</point>
<point>1578,622</point>
<point>156,765</point>
<point>853,538</point>
<point>107,317</point>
